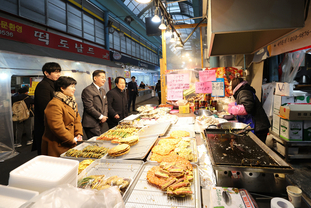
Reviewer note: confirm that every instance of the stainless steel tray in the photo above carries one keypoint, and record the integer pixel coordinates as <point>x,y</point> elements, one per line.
<point>185,121</point>
<point>189,128</point>
<point>81,146</point>
<point>193,146</point>
<point>142,194</point>
<point>138,151</point>
<point>127,169</point>
<point>155,129</point>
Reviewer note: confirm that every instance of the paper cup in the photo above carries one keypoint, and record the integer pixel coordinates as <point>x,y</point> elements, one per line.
<point>280,203</point>
<point>294,195</point>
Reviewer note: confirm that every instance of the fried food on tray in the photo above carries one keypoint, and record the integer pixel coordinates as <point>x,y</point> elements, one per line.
<point>163,149</point>
<point>132,140</point>
<point>84,164</point>
<point>169,141</point>
<point>180,133</point>
<point>119,150</point>
<point>120,131</point>
<point>99,182</point>
<point>172,177</point>
<point>91,151</point>
<point>159,158</point>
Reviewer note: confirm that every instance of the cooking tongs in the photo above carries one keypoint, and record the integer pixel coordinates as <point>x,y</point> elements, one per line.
<point>243,131</point>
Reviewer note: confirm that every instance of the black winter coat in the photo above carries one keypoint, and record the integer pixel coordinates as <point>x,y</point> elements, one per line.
<point>245,95</point>
<point>117,104</point>
<point>44,93</point>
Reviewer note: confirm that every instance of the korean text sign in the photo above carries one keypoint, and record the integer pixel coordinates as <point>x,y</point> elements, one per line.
<point>174,94</point>
<point>177,81</point>
<point>218,88</point>
<point>209,75</point>
<point>20,32</point>
<point>203,87</point>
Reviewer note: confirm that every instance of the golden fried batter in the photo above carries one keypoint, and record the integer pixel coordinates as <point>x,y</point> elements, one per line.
<point>163,150</point>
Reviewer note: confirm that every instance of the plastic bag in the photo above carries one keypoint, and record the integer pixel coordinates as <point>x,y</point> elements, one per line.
<point>207,176</point>
<point>68,196</point>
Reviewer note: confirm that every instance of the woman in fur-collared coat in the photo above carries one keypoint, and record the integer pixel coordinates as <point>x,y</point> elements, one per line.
<point>62,120</point>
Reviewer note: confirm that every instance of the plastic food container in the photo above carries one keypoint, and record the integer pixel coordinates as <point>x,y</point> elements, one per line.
<point>15,197</point>
<point>43,173</point>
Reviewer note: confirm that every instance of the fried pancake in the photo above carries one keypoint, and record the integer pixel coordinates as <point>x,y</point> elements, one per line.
<point>119,149</point>
<point>129,140</point>
<point>159,158</point>
<point>169,141</point>
<point>119,154</point>
<point>163,150</point>
<point>179,133</point>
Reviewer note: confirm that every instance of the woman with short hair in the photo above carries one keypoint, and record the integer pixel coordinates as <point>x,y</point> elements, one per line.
<point>62,120</point>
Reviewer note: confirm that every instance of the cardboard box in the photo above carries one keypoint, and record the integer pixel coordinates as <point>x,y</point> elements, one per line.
<point>276,124</point>
<point>307,130</point>
<point>281,100</point>
<point>302,99</point>
<point>281,149</point>
<point>285,89</point>
<point>291,130</point>
<point>296,112</point>
<point>184,109</point>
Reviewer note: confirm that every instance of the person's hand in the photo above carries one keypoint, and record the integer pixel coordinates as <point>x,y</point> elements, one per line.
<point>79,138</point>
<point>117,116</point>
<point>104,119</point>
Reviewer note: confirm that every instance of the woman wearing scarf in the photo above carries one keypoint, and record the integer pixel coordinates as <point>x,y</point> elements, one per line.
<point>62,120</point>
<point>248,108</point>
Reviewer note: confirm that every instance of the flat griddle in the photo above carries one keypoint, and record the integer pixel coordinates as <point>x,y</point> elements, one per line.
<point>242,152</point>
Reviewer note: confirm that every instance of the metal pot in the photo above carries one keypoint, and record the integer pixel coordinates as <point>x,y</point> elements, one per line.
<point>231,125</point>
<point>202,112</point>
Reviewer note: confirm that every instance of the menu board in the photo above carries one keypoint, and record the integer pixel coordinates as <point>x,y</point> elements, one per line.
<point>177,81</point>
<point>203,87</point>
<point>218,88</point>
<point>206,76</point>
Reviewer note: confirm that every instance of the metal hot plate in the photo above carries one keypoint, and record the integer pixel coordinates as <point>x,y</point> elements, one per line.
<point>246,153</point>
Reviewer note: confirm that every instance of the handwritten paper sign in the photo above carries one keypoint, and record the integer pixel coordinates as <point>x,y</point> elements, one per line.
<point>174,94</point>
<point>218,88</point>
<point>206,76</point>
<point>203,87</point>
<point>177,81</point>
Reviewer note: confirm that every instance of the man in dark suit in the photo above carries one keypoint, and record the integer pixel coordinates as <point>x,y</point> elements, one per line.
<point>133,92</point>
<point>44,93</point>
<point>117,103</point>
<point>95,106</point>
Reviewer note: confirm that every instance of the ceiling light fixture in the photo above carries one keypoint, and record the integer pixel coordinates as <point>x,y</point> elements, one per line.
<point>168,33</point>
<point>162,25</point>
<point>156,17</point>
<point>143,1</point>
<point>179,46</point>
<point>172,38</point>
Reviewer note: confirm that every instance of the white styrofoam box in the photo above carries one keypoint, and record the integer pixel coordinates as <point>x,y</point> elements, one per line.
<point>291,130</point>
<point>14,197</point>
<point>276,124</point>
<point>299,93</point>
<point>44,172</point>
<point>281,100</point>
<point>307,130</point>
<point>285,89</point>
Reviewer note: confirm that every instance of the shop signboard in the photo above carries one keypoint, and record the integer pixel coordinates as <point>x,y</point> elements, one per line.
<point>206,76</point>
<point>23,33</point>
<point>127,74</point>
<point>177,81</point>
<point>203,87</point>
<point>218,88</point>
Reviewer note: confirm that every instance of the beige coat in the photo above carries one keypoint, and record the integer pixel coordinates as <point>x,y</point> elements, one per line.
<point>62,124</point>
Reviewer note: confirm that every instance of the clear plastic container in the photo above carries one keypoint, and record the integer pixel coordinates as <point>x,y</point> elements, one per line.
<point>43,173</point>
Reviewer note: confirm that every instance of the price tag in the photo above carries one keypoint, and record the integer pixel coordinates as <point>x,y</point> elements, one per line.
<point>203,87</point>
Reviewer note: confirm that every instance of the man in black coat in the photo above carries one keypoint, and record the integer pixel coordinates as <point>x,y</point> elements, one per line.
<point>133,92</point>
<point>95,106</point>
<point>25,126</point>
<point>117,103</point>
<point>44,93</point>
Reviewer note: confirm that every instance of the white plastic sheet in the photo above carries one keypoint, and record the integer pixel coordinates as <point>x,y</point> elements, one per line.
<point>207,175</point>
<point>68,196</point>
